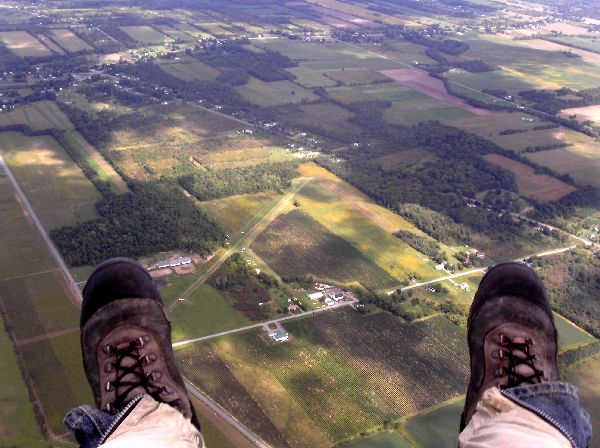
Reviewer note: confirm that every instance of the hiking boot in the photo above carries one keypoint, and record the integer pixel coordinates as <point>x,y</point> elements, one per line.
<point>511,334</point>
<point>126,340</point>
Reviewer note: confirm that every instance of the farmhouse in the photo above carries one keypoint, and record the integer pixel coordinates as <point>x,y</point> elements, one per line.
<point>316,296</point>
<point>334,294</point>
<point>173,263</point>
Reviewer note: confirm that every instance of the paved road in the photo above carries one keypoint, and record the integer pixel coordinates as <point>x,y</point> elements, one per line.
<point>564,232</point>
<point>246,240</point>
<point>475,271</point>
<point>71,282</point>
<point>221,114</point>
<point>262,324</point>
<point>192,389</point>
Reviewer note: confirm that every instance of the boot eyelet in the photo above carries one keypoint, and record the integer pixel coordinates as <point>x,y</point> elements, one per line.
<point>109,367</point>
<point>109,387</point>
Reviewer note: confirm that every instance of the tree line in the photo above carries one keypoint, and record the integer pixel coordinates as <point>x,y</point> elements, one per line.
<point>210,184</point>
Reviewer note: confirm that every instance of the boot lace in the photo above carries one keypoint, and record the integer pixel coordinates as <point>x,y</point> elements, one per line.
<point>129,364</point>
<point>520,366</point>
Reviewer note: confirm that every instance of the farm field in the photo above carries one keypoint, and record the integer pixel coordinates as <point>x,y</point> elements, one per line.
<point>94,159</point>
<point>23,247</point>
<point>322,117</point>
<point>570,335</point>
<point>343,384</point>
<point>192,30</point>
<point>275,93</point>
<point>585,43</point>
<point>297,245</point>
<point>54,185</point>
<point>347,213</point>
<point>587,113</point>
<point>145,34</point>
<point>540,67</point>
<point>38,116</point>
<point>174,33</point>
<point>420,81</point>
<point>498,78</point>
<point>234,212</point>
<point>581,161</point>
<point>63,387</point>
<point>191,70</point>
<point>69,41</point>
<point>23,44</point>
<point>533,139</point>
<point>43,299</point>
<point>194,137</point>
<point>204,312</point>
<point>380,440</point>
<point>586,376</point>
<point>308,77</point>
<point>437,428</point>
<point>18,426</point>
<point>353,77</point>
<point>491,125</point>
<point>49,43</point>
<point>537,186</point>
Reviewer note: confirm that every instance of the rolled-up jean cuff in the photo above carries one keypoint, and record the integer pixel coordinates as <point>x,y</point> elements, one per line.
<point>558,404</point>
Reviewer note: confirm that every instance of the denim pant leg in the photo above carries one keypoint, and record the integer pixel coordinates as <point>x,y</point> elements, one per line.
<point>558,404</point>
<point>87,424</point>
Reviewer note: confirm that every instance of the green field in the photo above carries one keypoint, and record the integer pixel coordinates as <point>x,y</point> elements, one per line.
<point>68,40</point>
<point>322,117</point>
<point>54,185</point>
<point>438,428</point>
<point>21,244</point>
<point>203,313</point>
<point>18,426</point>
<point>380,440</point>
<point>234,212</point>
<point>497,79</point>
<point>308,77</point>
<point>23,44</point>
<point>38,116</point>
<point>569,335</point>
<point>356,77</point>
<point>582,161</point>
<point>174,33</point>
<point>191,71</point>
<point>540,67</point>
<point>411,107</point>
<point>367,227</point>
<point>43,300</point>
<point>586,376</point>
<point>590,44</point>
<point>96,162</point>
<point>62,387</point>
<point>275,93</point>
<point>145,34</point>
<point>332,382</point>
<point>297,245</point>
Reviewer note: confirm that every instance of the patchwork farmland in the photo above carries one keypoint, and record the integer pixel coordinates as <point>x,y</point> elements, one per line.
<point>376,140</point>
<point>362,381</point>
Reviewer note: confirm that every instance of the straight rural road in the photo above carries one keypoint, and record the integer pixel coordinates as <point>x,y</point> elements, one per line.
<point>192,389</point>
<point>61,263</point>
<point>248,238</point>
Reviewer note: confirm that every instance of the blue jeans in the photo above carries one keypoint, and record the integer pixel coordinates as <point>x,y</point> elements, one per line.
<point>558,404</point>
<point>555,402</point>
<point>88,425</point>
